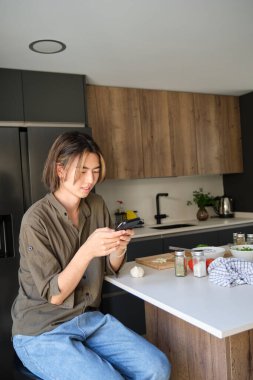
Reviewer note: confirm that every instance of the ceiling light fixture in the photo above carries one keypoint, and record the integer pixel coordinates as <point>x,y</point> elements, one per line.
<point>47,46</point>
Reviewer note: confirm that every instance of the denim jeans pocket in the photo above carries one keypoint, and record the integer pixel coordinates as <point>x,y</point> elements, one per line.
<point>26,348</point>
<point>21,340</point>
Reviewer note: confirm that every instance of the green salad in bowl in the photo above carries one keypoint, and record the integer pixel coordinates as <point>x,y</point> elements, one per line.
<point>244,251</point>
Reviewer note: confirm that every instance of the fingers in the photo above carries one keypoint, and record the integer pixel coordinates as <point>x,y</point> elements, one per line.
<point>109,245</point>
<point>129,232</point>
<point>127,236</point>
<point>104,241</point>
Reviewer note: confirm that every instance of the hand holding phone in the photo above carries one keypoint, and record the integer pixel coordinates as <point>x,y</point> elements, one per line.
<point>128,224</point>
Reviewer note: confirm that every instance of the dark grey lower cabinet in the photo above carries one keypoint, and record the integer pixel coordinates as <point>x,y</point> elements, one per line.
<point>225,236</point>
<point>127,308</point>
<point>190,240</point>
<point>218,237</point>
<point>144,247</point>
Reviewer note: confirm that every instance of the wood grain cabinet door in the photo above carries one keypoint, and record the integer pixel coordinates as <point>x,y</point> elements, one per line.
<point>182,133</point>
<point>231,139</point>
<point>114,118</point>
<point>218,134</point>
<point>155,132</point>
<point>209,119</point>
<point>151,133</point>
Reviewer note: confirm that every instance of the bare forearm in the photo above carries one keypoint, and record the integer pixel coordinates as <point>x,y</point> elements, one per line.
<point>102,242</point>
<point>116,258</point>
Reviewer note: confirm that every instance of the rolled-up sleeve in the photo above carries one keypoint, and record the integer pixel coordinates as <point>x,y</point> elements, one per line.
<point>53,290</point>
<point>41,267</point>
<point>108,268</point>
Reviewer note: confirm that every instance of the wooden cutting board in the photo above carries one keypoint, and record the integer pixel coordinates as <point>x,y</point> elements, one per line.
<point>162,261</point>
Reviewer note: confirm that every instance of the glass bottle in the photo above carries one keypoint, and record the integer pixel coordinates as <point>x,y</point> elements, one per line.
<point>235,238</point>
<point>199,264</point>
<point>180,264</point>
<point>250,239</point>
<point>240,239</point>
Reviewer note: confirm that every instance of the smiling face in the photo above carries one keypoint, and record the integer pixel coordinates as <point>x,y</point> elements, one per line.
<point>79,178</point>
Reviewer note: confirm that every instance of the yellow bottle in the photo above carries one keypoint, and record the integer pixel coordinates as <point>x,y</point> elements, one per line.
<point>131,214</point>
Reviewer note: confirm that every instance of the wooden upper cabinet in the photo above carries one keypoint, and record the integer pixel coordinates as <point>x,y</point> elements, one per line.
<point>232,140</point>
<point>182,133</point>
<point>209,119</point>
<point>218,134</point>
<point>114,118</point>
<point>151,133</point>
<point>155,130</point>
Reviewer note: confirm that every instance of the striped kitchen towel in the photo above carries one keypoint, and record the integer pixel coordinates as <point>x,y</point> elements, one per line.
<point>231,271</point>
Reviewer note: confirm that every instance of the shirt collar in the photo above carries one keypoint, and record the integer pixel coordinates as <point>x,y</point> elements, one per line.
<point>84,207</point>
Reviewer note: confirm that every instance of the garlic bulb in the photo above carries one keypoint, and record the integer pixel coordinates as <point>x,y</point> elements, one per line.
<point>137,272</point>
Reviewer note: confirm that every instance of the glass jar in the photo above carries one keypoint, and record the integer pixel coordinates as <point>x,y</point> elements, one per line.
<point>235,238</point>
<point>180,264</point>
<point>199,264</point>
<point>240,238</point>
<point>250,239</point>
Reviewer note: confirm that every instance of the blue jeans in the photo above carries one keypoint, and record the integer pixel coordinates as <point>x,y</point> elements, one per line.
<point>92,346</point>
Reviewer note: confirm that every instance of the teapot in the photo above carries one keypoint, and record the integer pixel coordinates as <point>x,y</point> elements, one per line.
<point>224,207</point>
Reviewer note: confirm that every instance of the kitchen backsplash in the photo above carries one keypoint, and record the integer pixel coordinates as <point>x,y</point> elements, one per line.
<point>140,195</point>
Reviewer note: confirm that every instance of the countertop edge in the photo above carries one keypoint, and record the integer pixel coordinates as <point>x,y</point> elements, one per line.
<point>211,224</point>
<point>195,322</point>
<point>123,281</point>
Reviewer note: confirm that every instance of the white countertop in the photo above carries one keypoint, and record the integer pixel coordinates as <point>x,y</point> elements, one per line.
<point>221,311</point>
<point>240,219</point>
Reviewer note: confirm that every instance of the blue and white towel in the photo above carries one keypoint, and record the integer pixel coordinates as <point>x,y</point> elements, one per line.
<point>230,272</point>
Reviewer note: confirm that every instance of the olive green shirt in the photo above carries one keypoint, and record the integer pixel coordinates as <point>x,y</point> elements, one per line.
<point>48,241</point>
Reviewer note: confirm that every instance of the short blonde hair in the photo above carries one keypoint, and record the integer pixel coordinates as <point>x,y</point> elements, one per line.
<point>64,150</point>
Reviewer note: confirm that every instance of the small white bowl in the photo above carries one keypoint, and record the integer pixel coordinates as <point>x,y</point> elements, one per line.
<point>237,252</point>
<point>211,252</point>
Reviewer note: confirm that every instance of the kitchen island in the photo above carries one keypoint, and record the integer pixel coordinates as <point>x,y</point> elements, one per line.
<point>205,330</point>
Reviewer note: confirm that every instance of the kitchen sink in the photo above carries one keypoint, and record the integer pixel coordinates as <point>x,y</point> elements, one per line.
<point>170,226</point>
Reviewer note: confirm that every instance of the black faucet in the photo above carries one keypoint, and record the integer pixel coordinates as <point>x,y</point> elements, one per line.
<point>159,216</point>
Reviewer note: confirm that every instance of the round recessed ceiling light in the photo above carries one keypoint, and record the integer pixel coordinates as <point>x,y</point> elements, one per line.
<point>47,46</point>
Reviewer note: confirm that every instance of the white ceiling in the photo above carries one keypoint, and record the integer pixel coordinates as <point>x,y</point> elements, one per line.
<point>185,45</point>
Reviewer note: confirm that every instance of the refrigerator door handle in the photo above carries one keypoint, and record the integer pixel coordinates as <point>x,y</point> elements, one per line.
<point>3,245</point>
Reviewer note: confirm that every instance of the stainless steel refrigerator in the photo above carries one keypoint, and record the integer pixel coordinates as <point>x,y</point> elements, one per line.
<point>22,155</point>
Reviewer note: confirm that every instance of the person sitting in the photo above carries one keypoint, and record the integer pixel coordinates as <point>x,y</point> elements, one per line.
<point>67,243</point>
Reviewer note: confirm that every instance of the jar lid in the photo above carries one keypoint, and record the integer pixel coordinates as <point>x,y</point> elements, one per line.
<point>250,235</point>
<point>179,253</point>
<point>240,234</point>
<point>198,253</point>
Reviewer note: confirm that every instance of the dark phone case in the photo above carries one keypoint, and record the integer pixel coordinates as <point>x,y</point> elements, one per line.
<point>128,224</point>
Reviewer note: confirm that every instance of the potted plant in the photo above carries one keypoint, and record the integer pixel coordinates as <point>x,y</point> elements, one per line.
<point>202,200</point>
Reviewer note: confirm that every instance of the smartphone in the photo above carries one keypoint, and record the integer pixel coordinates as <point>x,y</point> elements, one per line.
<point>127,224</point>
